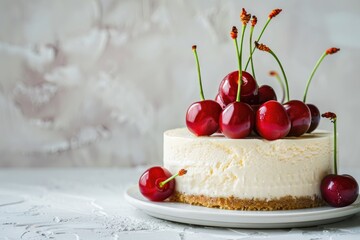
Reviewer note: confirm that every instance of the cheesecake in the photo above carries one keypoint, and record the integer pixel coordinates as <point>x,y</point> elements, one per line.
<point>251,173</point>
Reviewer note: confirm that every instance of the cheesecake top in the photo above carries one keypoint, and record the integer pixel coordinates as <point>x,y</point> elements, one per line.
<point>185,133</point>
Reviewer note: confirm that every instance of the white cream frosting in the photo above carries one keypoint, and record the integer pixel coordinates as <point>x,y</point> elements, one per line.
<point>248,168</point>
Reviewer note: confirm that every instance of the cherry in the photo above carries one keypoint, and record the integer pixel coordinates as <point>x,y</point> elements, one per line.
<point>272,121</point>
<point>229,85</point>
<point>157,184</point>
<point>338,190</point>
<point>266,93</point>
<point>300,117</point>
<point>315,117</point>
<point>202,118</point>
<point>237,120</point>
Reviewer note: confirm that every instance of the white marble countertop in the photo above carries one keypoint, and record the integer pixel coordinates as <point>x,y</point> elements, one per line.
<point>89,204</point>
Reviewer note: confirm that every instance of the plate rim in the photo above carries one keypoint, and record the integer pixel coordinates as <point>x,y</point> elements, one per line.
<point>132,194</point>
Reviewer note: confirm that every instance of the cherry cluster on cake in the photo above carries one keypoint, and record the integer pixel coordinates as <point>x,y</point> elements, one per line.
<point>241,106</point>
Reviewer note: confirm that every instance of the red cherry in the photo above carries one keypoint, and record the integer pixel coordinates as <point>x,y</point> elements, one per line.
<point>219,100</point>
<point>149,184</point>
<point>272,121</point>
<point>315,117</point>
<point>339,190</point>
<point>229,85</point>
<point>236,120</point>
<point>202,118</point>
<point>300,117</point>
<point>266,93</point>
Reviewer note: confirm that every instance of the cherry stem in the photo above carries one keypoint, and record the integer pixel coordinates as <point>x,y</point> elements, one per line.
<point>239,56</point>
<point>251,59</point>
<point>199,73</point>
<point>333,118</point>
<point>283,72</point>
<point>258,40</point>
<point>335,147</point>
<point>180,173</point>
<point>278,78</point>
<point>312,74</point>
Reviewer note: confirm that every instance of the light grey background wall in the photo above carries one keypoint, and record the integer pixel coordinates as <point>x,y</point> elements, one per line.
<point>95,83</point>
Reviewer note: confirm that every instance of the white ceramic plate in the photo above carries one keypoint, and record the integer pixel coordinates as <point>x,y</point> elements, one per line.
<point>185,213</point>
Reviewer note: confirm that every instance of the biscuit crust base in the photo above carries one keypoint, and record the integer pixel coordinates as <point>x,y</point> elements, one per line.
<point>233,203</point>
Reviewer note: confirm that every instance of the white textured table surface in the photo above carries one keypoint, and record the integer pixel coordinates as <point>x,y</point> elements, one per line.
<point>89,204</point>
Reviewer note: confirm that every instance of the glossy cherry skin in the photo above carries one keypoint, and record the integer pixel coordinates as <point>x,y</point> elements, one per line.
<point>315,117</point>
<point>300,117</point>
<point>202,118</point>
<point>229,86</point>
<point>149,184</point>
<point>219,100</point>
<point>272,121</point>
<point>237,120</point>
<point>339,190</point>
<point>266,93</point>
